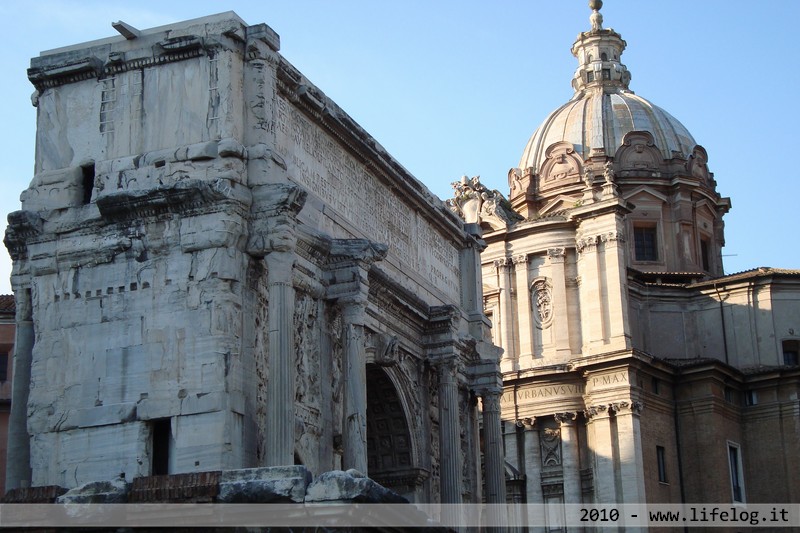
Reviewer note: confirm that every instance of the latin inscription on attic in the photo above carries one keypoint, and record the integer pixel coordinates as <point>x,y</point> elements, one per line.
<point>338,179</point>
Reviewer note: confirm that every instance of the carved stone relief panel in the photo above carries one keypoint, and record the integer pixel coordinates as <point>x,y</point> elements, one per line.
<point>542,302</point>
<point>308,415</point>
<point>550,442</point>
<point>638,153</point>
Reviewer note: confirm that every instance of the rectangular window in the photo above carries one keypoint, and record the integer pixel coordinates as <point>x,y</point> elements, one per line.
<point>662,464</point>
<point>791,348</point>
<point>655,386</point>
<point>162,442</point>
<point>3,366</point>
<point>645,243</point>
<point>751,397</point>
<point>735,464</point>
<point>704,255</point>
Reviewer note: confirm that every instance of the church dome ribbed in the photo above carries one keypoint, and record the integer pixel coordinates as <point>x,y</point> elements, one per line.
<point>603,108</point>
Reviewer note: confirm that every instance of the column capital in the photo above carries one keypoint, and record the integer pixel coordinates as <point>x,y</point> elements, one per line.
<point>503,263</point>
<point>521,259</point>
<point>626,407</point>
<point>490,397</point>
<point>586,244</point>
<point>596,411</point>
<point>612,236</point>
<point>556,255</point>
<point>566,418</point>
<point>274,218</point>
<point>527,422</point>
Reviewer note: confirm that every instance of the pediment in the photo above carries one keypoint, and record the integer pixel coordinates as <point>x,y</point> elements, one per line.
<point>638,152</point>
<point>558,203</point>
<point>645,193</point>
<point>705,208</point>
<point>562,166</point>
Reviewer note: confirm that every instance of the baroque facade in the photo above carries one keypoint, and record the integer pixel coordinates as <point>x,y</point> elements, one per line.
<point>199,286</point>
<point>634,370</point>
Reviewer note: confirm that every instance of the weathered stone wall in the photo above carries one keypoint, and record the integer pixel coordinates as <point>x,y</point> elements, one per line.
<point>215,253</point>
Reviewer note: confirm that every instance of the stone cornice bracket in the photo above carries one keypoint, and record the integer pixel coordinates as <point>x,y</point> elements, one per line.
<point>179,197</point>
<point>22,226</point>
<point>260,38</point>
<point>47,76</point>
<point>274,218</point>
<point>347,273</point>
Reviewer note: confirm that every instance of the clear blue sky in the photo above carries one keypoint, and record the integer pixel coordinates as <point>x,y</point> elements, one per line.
<point>457,87</point>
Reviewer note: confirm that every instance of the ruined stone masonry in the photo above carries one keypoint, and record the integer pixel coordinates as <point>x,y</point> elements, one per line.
<point>216,268</point>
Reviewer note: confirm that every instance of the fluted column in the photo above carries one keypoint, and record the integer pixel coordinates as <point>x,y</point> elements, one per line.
<point>493,447</point>
<point>348,276</point>
<point>280,390</point>
<point>273,236</point>
<point>571,456</point>
<point>18,460</point>
<point>449,434</point>
<point>354,373</point>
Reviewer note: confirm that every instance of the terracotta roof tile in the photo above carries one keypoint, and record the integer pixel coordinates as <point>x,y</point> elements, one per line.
<point>7,304</point>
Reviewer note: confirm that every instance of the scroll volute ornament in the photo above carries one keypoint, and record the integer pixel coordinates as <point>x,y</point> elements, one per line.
<point>697,165</point>
<point>638,153</point>
<point>562,166</point>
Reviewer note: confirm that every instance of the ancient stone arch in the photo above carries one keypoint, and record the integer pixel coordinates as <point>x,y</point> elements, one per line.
<point>392,453</point>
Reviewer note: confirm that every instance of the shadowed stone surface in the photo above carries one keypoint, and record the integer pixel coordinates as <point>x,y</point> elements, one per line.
<point>264,485</point>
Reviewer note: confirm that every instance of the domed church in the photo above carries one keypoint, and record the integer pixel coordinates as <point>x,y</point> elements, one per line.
<point>631,362</point>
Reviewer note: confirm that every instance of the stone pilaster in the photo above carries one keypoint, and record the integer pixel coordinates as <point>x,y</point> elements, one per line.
<point>524,311</point>
<point>557,256</point>
<point>618,325</point>
<point>629,440</point>
<point>18,462</point>
<point>493,447</point>
<point>348,275</point>
<point>601,442</point>
<point>591,295</point>
<point>533,461</point>
<point>506,322</point>
<point>571,456</point>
